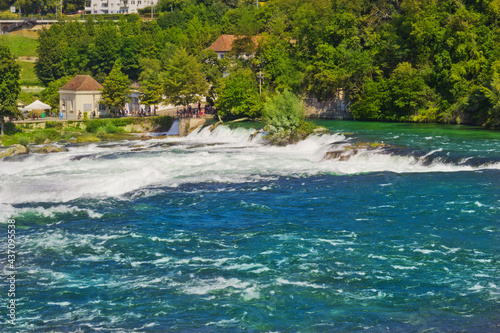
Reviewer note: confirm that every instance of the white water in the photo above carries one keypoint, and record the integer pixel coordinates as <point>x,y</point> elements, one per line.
<point>224,155</point>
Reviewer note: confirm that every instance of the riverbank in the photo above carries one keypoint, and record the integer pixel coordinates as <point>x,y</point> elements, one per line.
<point>26,136</point>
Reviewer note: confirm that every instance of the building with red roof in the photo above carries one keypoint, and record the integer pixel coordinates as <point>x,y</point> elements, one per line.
<point>224,45</point>
<point>81,94</point>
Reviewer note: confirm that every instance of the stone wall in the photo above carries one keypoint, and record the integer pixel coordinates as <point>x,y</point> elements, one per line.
<point>328,109</point>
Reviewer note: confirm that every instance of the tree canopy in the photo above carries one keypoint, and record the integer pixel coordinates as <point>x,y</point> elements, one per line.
<point>407,60</point>
<point>116,88</point>
<point>9,86</point>
<point>183,79</point>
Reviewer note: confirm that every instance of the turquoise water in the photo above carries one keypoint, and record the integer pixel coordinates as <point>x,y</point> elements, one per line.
<point>214,232</point>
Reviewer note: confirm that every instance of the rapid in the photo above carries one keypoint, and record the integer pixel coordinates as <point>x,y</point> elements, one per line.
<point>396,230</point>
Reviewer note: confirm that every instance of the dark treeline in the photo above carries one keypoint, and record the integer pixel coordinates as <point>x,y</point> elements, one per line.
<point>401,60</point>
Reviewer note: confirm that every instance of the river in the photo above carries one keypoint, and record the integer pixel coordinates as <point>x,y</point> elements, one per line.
<point>396,231</point>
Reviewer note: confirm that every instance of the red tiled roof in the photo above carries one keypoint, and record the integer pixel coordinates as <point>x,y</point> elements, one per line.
<point>225,43</point>
<point>82,82</point>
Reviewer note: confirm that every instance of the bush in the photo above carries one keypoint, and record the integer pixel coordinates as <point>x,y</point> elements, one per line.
<point>93,125</point>
<point>23,140</point>
<point>53,124</point>
<point>40,138</point>
<point>101,131</point>
<point>283,117</point>
<point>162,123</point>
<point>10,129</point>
<point>111,128</point>
<point>52,134</point>
<point>85,117</point>
<point>125,121</point>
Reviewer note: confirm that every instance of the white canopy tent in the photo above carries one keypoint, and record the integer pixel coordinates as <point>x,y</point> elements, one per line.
<point>37,105</point>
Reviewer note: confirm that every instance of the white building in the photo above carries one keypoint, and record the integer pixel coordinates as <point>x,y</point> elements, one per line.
<point>117,6</point>
<point>81,94</point>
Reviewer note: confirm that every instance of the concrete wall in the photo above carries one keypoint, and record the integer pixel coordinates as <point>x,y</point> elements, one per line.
<point>187,125</point>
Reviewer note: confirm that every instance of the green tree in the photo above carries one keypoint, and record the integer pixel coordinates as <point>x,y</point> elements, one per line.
<point>49,66</point>
<point>50,95</point>
<point>214,69</point>
<point>116,88</point>
<point>283,111</point>
<point>407,93</point>
<point>104,50</point>
<point>283,117</point>
<point>151,85</point>
<point>9,86</point>
<point>183,79</point>
<point>492,93</point>
<point>239,95</point>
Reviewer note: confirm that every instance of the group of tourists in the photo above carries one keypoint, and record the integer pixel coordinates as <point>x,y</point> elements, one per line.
<point>196,112</point>
<point>134,113</point>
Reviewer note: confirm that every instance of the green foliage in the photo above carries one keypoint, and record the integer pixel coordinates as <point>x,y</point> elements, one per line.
<point>283,117</point>
<point>23,139</point>
<point>213,68</point>
<point>9,86</point>
<point>11,129</point>
<point>40,138</point>
<point>20,46</point>
<point>151,85</point>
<point>53,124</point>
<point>162,123</point>
<point>116,88</point>
<point>398,98</point>
<point>111,128</point>
<point>183,79</point>
<point>50,95</point>
<point>28,75</point>
<point>93,125</point>
<point>283,111</point>
<point>239,95</point>
<point>407,60</point>
<point>52,133</point>
<point>110,125</point>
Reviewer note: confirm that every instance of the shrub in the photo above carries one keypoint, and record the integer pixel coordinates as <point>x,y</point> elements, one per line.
<point>283,117</point>
<point>111,128</point>
<point>125,121</point>
<point>23,140</point>
<point>10,128</point>
<point>40,137</point>
<point>85,116</point>
<point>52,134</point>
<point>53,124</point>
<point>101,131</point>
<point>162,123</point>
<point>93,125</point>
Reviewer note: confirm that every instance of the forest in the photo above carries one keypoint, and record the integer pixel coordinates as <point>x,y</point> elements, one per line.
<point>401,60</point>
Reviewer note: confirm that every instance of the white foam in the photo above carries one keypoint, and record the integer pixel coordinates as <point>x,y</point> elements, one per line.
<point>202,287</point>
<point>300,284</point>
<point>224,156</point>
<point>404,267</point>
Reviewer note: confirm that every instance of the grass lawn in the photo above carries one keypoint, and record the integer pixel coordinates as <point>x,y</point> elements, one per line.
<point>28,75</point>
<point>20,46</point>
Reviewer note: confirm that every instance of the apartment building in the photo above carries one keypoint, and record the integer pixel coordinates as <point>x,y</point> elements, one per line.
<point>116,6</point>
